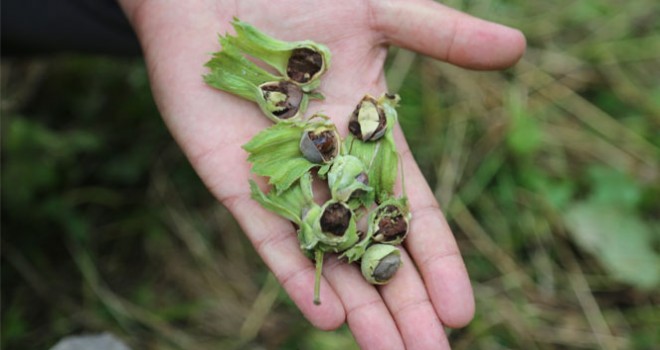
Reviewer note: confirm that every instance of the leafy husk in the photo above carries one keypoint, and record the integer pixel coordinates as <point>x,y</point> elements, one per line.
<point>380,157</point>
<point>302,62</point>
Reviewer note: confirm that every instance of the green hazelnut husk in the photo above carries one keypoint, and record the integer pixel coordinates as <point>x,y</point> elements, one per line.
<point>320,142</point>
<point>368,121</point>
<point>336,226</point>
<point>376,147</point>
<point>278,98</point>
<point>348,179</point>
<point>301,62</point>
<point>380,263</point>
<point>390,221</point>
<point>282,100</point>
<point>333,229</point>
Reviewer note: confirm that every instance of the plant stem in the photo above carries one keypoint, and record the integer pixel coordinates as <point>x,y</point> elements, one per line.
<point>318,256</point>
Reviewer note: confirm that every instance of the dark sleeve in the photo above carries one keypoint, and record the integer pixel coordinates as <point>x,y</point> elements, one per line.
<point>47,26</point>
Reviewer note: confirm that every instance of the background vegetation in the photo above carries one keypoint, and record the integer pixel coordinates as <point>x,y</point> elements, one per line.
<point>549,174</point>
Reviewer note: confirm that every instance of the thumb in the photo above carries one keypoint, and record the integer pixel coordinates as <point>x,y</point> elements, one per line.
<point>449,35</point>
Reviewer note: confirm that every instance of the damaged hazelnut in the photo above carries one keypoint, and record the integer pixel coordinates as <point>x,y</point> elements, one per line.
<point>304,65</point>
<point>336,218</point>
<point>283,99</point>
<point>368,121</point>
<point>380,263</point>
<point>391,223</point>
<point>320,144</point>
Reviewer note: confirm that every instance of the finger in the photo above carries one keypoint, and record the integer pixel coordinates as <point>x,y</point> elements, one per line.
<point>366,314</point>
<point>413,312</point>
<point>434,249</point>
<point>276,242</point>
<point>447,34</point>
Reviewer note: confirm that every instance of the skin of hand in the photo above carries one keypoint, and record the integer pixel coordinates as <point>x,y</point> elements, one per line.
<point>432,288</point>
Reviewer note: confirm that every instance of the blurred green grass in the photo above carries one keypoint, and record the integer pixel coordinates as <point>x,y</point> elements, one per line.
<point>548,173</point>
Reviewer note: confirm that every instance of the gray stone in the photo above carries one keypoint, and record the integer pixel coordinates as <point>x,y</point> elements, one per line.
<point>103,341</point>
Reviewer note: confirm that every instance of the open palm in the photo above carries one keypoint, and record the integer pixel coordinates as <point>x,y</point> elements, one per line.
<point>432,288</point>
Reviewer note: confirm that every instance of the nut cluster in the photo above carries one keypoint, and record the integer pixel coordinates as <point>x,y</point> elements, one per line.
<point>360,170</point>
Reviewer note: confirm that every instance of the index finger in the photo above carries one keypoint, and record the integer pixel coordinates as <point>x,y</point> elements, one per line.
<point>449,35</point>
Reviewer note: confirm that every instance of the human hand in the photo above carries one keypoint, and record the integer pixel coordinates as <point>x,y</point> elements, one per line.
<point>432,288</point>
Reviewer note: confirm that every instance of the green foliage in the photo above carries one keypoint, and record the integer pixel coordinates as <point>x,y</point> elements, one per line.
<point>14,325</point>
<point>608,225</point>
<point>74,167</point>
<point>36,152</point>
<point>525,134</point>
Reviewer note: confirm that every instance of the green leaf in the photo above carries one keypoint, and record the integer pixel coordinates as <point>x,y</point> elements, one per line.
<point>275,153</point>
<point>233,73</point>
<point>618,238</point>
<point>290,204</point>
